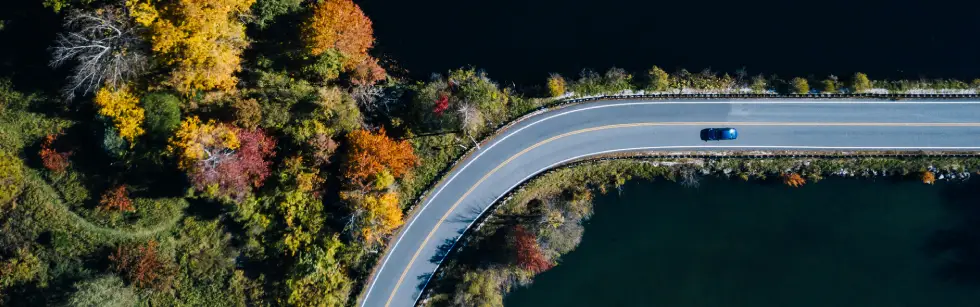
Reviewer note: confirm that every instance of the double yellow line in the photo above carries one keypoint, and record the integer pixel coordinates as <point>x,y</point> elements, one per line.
<point>703,124</point>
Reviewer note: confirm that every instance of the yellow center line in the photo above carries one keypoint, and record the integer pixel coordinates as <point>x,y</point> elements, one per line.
<point>494,170</point>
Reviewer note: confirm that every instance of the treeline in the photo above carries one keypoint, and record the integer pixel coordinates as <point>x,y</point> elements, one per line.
<point>656,80</point>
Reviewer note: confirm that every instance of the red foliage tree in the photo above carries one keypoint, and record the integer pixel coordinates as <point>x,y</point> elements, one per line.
<point>116,199</point>
<point>368,72</point>
<point>441,104</point>
<point>527,252</point>
<point>50,157</point>
<point>142,266</point>
<point>245,168</point>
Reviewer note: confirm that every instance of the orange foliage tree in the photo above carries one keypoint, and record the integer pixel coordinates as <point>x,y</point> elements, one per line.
<point>372,154</point>
<point>793,180</point>
<point>116,199</point>
<point>142,265</point>
<point>339,25</point>
<point>51,158</point>
<point>527,252</point>
<point>928,177</point>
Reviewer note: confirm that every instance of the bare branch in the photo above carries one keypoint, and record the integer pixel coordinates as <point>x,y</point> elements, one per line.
<point>104,46</point>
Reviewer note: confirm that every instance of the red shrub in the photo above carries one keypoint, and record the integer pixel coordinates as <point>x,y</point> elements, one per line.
<point>441,104</point>
<point>50,157</point>
<point>528,253</point>
<point>142,266</point>
<point>116,199</point>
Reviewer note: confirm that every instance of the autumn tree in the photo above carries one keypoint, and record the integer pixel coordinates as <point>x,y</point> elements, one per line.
<point>142,265</point>
<point>799,86</point>
<point>441,105</point>
<point>860,83</point>
<point>527,253</point>
<point>928,177</point>
<point>23,268</point>
<point>556,85</point>
<point>105,291</point>
<point>116,199</point>
<point>223,161</point>
<point>659,79</point>
<point>105,46</point>
<point>202,41</point>
<point>481,288</point>
<point>374,214</point>
<point>370,154</point>
<point>793,180</point>
<point>339,25</point>
<point>51,157</point>
<point>11,177</point>
<point>123,108</point>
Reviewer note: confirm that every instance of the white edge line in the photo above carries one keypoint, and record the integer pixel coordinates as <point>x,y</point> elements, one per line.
<point>481,152</point>
<point>653,148</point>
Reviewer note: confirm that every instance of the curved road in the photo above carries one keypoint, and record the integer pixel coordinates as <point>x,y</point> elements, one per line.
<point>545,140</point>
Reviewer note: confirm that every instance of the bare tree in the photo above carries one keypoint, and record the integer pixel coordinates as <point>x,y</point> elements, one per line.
<point>689,177</point>
<point>104,46</point>
<point>470,120</point>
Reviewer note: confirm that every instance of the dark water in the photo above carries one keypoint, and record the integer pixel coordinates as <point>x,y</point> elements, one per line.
<point>730,243</point>
<point>522,41</point>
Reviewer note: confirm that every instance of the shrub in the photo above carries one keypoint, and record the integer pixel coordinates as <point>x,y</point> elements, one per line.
<point>11,177</point>
<point>142,266</point>
<point>556,85</point>
<point>116,200</point>
<point>799,86</point>
<point>759,84</point>
<point>928,177</point>
<point>107,291</point>
<point>659,79</point>
<point>50,157</point>
<point>527,253</point>
<point>793,180</point>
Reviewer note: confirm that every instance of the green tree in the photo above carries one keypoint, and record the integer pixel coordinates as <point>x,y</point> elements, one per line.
<point>659,79</point>
<point>482,288</point>
<point>104,291</point>
<point>799,86</point>
<point>266,11</point>
<point>162,114</point>
<point>860,83</point>
<point>759,84</point>
<point>11,177</point>
<point>318,278</point>
<point>830,84</point>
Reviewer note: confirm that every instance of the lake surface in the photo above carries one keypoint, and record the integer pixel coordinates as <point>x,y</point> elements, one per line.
<point>522,41</point>
<point>731,243</point>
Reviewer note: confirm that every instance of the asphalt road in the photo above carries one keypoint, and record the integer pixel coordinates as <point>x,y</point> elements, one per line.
<point>543,141</point>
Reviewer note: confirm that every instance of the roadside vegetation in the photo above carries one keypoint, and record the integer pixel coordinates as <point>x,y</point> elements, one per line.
<point>532,228</point>
<point>257,152</point>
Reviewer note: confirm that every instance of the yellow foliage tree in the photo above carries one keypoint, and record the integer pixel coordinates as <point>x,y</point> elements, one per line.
<point>196,141</point>
<point>201,39</point>
<point>556,85</point>
<point>123,108</point>
<point>928,177</point>
<point>376,214</point>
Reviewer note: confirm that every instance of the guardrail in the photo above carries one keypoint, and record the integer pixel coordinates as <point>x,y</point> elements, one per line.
<point>772,96</point>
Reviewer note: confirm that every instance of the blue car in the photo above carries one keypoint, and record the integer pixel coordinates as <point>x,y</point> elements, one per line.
<point>718,134</point>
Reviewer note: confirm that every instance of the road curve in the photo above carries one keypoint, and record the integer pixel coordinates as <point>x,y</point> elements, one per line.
<point>552,138</point>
